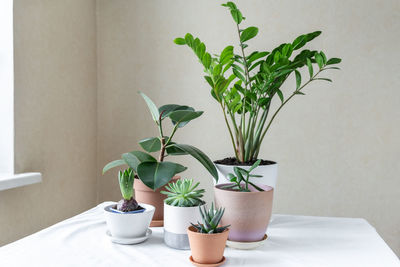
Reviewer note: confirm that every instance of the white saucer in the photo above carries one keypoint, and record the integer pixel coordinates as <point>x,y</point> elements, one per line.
<point>246,245</point>
<point>129,241</point>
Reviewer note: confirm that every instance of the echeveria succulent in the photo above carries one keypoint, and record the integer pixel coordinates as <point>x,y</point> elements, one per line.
<point>183,194</point>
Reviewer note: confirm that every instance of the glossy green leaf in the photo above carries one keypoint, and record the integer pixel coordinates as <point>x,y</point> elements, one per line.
<point>298,79</point>
<point>280,94</point>
<point>333,61</point>
<point>310,67</point>
<point>189,39</point>
<point>151,144</point>
<point>239,75</point>
<point>226,55</point>
<point>248,33</point>
<point>183,116</point>
<point>157,174</point>
<point>323,79</point>
<point>206,60</point>
<point>113,164</point>
<point>237,15</point>
<point>152,107</point>
<point>217,70</point>
<point>319,60</point>
<point>179,41</point>
<point>134,158</point>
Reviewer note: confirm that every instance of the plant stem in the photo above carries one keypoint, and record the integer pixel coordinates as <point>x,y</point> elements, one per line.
<point>230,131</point>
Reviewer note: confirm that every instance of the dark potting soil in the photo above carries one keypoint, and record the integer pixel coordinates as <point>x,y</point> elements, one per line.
<point>234,162</point>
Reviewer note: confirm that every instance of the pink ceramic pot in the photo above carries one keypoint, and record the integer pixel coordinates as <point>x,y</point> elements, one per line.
<point>248,213</point>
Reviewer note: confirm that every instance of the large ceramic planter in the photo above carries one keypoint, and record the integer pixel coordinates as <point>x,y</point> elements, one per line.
<point>145,194</point>
<point>207,248</point>
<point>269,173</point>
<point>248,213</point>
<point>176,222</point>
<point>128,225</point>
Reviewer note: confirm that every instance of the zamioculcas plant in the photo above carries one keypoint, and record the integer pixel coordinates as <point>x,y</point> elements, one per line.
<point>210,221</point>
<point>244,84</point>
<point>153,172</point>
<point>183,193</point>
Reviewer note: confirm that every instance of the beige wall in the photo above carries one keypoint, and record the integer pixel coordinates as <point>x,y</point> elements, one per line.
<point>55,114</point>
<point>337,147</point>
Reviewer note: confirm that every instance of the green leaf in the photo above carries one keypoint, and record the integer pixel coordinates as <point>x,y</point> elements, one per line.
<point>157,174</point>
<point>179,41</point>
<point>310,68</point>
<point>256,55</point>
<point>226,55</point>
<point>323,57</point>
<point>299,93</point>
<point>280,94</point>
<point>152,107</point>
<point>113,164</point>
<point>277,56</point>
<point>167,109</point>
<point>206,60</point>
<point>231,5</point>
<point>237,15</point>
<point>319,60</point>
<point>134,158</point>
<point>217,70</point>
<point>189,40</point>
<point>209,80</point>
<point>183,116</point>
<point>333,61</point>
<point>174,151</point>
<point>238,74</point>
<point>298,79</point>
<point>200,156</point>
<point>248,33</point>
<point>151,144</point>
<point>323,79</point>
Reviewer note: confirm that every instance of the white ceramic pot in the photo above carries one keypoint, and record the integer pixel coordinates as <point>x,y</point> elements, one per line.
<point>269,173</point>
<point>176,222</point>
<point>129,225</point>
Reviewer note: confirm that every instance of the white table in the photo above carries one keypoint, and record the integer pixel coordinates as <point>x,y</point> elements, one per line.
<point>293,241</point>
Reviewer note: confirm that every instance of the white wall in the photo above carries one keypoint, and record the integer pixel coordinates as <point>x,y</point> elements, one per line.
<point>6,88</point>
<point>337,147</point>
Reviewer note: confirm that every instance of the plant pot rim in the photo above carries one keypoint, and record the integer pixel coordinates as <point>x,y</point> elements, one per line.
<point>273,162</point>
<point>147,209</point>
<point>269,188</point>
<point>194,231</point>
<point>204,203</point>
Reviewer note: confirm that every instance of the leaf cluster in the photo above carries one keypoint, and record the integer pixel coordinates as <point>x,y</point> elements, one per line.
<point>245,84</point>
<point>210,221</point>
<point>126,178</point>
<point>183,193</point>
<point>156,173</point>
<point>241,178</point>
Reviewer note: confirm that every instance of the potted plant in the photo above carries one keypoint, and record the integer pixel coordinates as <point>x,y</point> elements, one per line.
<point>128,221</point>
<point>180,208</point>
<point>153,174</point>
<point>208,239</point>
<point>245,84</point>
<point>242,200</point>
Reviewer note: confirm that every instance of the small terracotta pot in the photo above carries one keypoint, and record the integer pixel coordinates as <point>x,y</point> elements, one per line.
<point>207,248</point>
<point>144,194</point>
<point>248,213</point>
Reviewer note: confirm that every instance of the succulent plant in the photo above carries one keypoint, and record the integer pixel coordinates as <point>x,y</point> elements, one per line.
<point>241,178</point>
<point>128,203</point>
<point>183,194</point>
<point>210,219</point>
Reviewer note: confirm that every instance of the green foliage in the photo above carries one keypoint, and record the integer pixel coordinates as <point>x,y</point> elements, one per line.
<point>156,173</point>
<point>183,193</point>
<point>241,178</point>
<point>245,85</point>
<point>210,221</point>
<point>125,179</point>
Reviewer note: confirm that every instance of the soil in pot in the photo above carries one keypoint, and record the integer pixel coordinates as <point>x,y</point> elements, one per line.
<point>207,248</point>
<point>146,195</point>
<point>248,213</point>
<point>232,161</point>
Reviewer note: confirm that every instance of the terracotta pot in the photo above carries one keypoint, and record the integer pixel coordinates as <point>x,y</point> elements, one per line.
<point>146,195</point>
<point>207,248</point>
<point>248,213</point>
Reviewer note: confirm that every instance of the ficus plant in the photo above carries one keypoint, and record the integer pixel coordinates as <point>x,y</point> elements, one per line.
<point>153,172</point>
<point>244,83</point>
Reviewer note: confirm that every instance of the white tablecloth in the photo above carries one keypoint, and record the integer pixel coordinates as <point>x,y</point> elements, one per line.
<point>293,241</point>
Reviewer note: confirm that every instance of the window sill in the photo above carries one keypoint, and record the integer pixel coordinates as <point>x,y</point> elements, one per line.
<point>18,180</point>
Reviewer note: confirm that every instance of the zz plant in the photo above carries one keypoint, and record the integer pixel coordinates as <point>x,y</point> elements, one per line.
<point>244,84</point>
<point>183,193</point>
<point>210,221</point>
<point>153,172</point>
